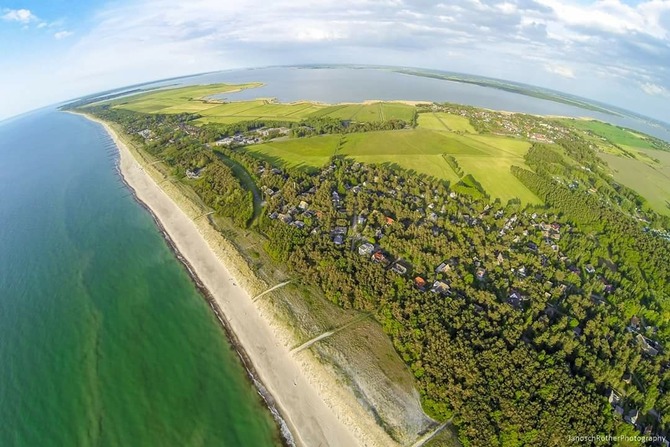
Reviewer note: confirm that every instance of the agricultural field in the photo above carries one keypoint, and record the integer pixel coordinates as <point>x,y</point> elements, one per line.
<point>633,161</point>
<point>308,153</point>
<point>651,179</point>
<point>176,100</point>
<point>614,134</point>
<point>492,168</point>
<point>487,158</point>
<point>380,111</point>
<point>194,99</point>
<point>445,121</point>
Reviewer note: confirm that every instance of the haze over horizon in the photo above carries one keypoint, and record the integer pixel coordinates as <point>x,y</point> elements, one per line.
<point>612,51</point>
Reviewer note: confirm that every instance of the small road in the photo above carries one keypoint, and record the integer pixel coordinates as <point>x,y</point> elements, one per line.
<point>309,343</point>
<point>271,289</point>
<point>430,435</point>
<point>203,215</point>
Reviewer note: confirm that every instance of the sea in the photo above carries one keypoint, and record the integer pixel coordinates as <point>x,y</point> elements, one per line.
<point>104,339</point>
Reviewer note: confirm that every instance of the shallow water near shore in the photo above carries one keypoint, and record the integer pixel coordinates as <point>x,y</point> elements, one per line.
<point>104,339</point>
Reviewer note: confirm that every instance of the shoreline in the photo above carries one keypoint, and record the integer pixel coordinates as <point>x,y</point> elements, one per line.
<point>252,374</point>
<point>322,413</point>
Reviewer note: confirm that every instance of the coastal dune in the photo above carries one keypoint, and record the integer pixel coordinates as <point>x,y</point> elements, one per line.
<point>314,407</point>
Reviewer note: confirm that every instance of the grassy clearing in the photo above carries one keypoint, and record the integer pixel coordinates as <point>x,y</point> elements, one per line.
<point>398,111</point>
<point>232,108</point>
<point>661,160</point>
<point>431,165</point>
<point>445,122</point>
<point>498,145</point>
<point>406,143</point>
<point>492,170</point>
<point>342,112</point>
<point>258,109</point>
<point>380,111</point>
<point>487,158</point>
<point>430,121</point>
<point>612,133</point>
<point>652,183</point>
<point>309,153</point>
<point>495,176</point>
<point>456,123</point>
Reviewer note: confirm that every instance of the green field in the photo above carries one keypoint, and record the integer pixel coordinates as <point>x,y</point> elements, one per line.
<point>380,111</point>
<point>650,180</point>
<point>445,121</point>
<point>176,100</point>
<point>614,134</point>
<point>309,153</point>
<point>487,158</point>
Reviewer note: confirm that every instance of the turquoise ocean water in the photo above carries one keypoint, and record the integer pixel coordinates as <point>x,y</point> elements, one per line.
<point>104,340</point>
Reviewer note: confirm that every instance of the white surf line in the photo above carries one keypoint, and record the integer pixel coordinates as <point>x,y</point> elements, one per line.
<point>428,436</point>
<point>309,343</point>
<point>271,289</point>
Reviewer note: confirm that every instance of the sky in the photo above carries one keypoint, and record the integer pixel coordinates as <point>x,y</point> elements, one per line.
<point>614,51</point>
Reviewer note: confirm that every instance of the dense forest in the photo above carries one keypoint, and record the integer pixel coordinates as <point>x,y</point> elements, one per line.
<point>525,324</point>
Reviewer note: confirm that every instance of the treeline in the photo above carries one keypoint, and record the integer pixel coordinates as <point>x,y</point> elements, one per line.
<point>451,161</point>
<point>180,146</point>
<point>304,128</point>
<point>326,125</point>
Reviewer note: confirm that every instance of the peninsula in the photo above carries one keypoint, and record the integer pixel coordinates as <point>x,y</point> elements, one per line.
<point>418,273</point>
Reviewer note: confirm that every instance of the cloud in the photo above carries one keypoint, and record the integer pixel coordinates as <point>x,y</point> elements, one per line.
<point>611,48</point>
<point>23,16</point>
<point>654,89</point>
<point>560,70</point>
<point>62,34</point>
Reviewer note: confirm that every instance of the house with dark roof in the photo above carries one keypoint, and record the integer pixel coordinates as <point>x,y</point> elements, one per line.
<point>399,268</point>
<point>648,346</point>
<point>614,398</point>
<point>366,249</point>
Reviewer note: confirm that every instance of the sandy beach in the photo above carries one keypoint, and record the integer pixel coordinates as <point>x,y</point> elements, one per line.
<point>315,407</point>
